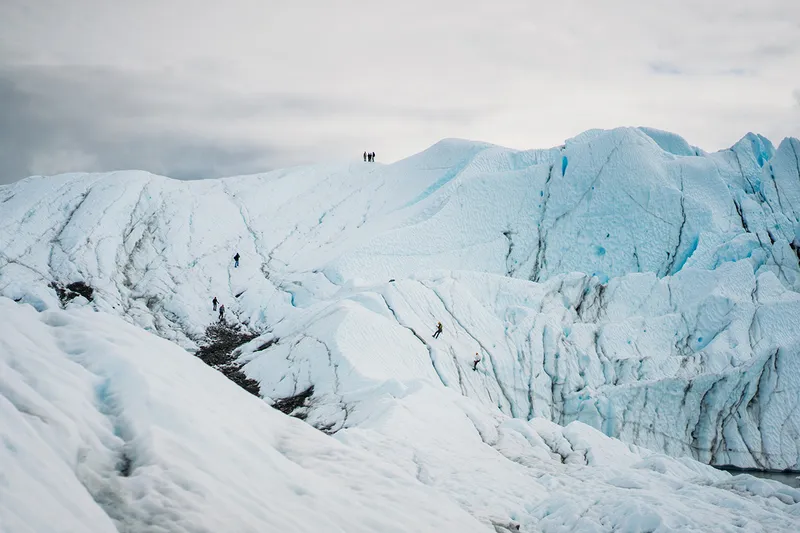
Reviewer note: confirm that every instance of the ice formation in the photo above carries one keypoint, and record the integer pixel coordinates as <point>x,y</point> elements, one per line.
<point>625,284</point>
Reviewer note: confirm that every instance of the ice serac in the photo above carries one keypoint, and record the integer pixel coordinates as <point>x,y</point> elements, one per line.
<point>626,280</point>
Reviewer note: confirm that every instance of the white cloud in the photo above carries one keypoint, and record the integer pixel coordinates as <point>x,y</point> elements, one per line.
<point>60,160</point>
<point>329,80</point>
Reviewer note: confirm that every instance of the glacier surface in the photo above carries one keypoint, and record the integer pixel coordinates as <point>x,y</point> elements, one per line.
<point>626,282</point>
<point>105,427</point>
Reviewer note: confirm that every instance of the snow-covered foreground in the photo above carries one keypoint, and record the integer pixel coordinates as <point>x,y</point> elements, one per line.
<point>625,280</point>
<point>106,427</point>
<point>103,423</point>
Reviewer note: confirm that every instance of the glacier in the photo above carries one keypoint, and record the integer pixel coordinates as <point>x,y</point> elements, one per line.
<point>625,285</point>
<point>106,427</point>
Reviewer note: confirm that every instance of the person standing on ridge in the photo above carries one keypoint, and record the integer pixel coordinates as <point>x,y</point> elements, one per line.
<point>215,302</point>
<point>476,361</point>
<point>236,260</point>
<point>365,157</point>
<point>373,157</point>
<point>438,330</point>
<point>221,313</point>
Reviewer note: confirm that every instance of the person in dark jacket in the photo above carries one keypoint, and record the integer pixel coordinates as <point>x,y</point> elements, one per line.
<point>236,260</point>
<point>365,157</point>
<point>221,313</point>
<point>438,330</point>
<point>214,302</point>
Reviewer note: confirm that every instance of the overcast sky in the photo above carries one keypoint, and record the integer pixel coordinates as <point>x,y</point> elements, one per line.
<point>197,88</point>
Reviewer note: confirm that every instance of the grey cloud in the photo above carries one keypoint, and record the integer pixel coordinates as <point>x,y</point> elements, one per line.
<point>86,119</point>
<point>737,71</point>
<point>664,67</point>
<point>271,104</point>
<point>242,86</point>
<point>670,69</point>
<point>774,50</point>
<point>59,119</point>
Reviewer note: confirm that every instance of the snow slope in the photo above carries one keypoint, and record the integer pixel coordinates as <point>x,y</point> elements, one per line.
<point>625,280</point>
<point>109,428</point>
<point>105,427</point>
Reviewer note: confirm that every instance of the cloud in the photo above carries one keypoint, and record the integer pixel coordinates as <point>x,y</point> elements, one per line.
<point>662,67</point>
<point>248,85</point>
<point>774,50</point>
<point>69,118</point>
<point>66,119</point>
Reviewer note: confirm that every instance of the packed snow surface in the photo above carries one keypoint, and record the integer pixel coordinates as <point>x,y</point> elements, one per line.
<point>625,285</point>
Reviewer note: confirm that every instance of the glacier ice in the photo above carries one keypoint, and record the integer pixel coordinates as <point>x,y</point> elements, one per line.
<point>106,427</point>
<point>626,281</point>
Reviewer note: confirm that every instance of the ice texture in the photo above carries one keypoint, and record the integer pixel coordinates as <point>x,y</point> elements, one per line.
<point>625,285</point>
